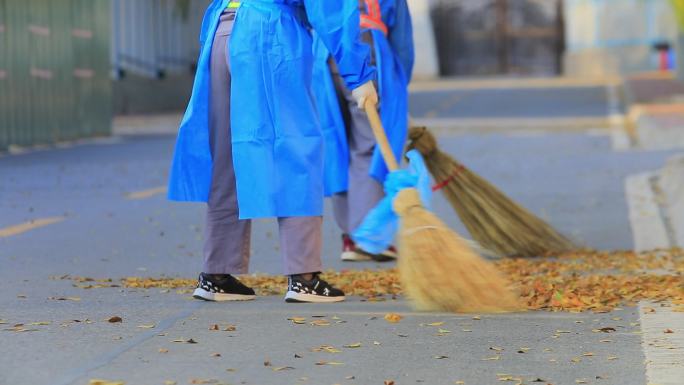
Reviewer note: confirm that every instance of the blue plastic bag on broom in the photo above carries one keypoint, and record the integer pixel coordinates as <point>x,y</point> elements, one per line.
<point>377,231</point>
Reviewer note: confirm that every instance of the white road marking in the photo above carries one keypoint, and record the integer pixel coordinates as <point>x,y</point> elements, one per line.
<point>664,351</point>
<point>648,228</point>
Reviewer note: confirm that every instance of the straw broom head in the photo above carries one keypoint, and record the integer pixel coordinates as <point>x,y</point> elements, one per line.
<point>439,272</point>
<point>493,219</point>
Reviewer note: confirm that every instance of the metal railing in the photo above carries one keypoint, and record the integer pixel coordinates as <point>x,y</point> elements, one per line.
<point>54,71</point>
<point>154,38</point>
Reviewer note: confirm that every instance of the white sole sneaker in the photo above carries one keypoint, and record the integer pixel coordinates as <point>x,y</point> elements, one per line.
<point>355,256</point>
<point>293,296</point>
<point>220,297</point>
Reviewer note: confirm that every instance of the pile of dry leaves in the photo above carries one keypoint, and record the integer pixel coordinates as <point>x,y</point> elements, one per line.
<point>578,281</point>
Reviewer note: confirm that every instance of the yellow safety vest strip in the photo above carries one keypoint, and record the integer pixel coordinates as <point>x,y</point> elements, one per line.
<point>233,4</point>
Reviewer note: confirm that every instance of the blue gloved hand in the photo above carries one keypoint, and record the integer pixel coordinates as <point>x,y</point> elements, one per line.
<point>378,229</point>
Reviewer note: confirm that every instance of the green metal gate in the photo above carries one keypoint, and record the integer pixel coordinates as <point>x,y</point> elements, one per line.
<point>55,79</point>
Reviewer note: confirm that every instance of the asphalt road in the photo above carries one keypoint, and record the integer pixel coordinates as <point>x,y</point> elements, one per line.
<point>113,221</point>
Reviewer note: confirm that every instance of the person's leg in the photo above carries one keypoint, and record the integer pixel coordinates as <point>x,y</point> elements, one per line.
<point>227,238</point>
<point>301,244</point>
<point>364,192</point>
<point>300,248</point>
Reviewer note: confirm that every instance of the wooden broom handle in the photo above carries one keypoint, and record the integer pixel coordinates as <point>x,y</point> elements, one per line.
<point>381,136</point>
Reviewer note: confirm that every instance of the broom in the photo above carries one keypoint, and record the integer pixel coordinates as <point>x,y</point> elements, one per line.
<point>438,271</point>
<point>493,220</point>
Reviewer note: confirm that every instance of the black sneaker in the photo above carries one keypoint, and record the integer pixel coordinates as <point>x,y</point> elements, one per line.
<point>222,287</point>
<point>316,290</point>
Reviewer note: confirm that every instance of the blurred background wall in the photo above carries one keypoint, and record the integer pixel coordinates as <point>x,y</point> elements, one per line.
<point>67,65</point>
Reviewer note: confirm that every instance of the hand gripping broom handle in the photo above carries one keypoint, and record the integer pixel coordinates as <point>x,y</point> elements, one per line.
<point>381,136</point>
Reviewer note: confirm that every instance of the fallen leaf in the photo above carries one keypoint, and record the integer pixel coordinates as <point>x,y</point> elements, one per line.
<point>230,328</point>
<point>496,348</point>
<point>162,350</point>
<point>298,320</point>
<point>216,354</point>
<point>169,382</point>
<point>443,331</point>
<point>436,324</point>
<point>649,310</point>
<point>232,370</point>
<point>466,330</point>
<point>214,327</point>
<point>588,354</point>
<point>184,341</point>
<point>353,346</point>
<point>267,363</point>
<point>668,331</point>
<point>563,331</point>
<point>376,343</point>
<point>459,382</point>
<point>581,381</point>
<point>606,330</point>
<point>105,382</point>
<point>606,341</point>
<point>150,326</point>
<point>440,357</point>
<point>321,363</point>
<point>115,319</point>
<point>41,323</point>
<point>393,317</point>
<point>576,360</point>
<point>281,368</point>
<point>350,378</point>
<point>495,358</point>
<point>197,381</point>
<point>389,382</point>
<point>612,358</point>
<point>320,322</point>
<point>65,298</point>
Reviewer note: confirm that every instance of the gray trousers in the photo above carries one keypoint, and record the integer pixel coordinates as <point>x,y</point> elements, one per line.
<point>364,192</point>
<point>227,244</point>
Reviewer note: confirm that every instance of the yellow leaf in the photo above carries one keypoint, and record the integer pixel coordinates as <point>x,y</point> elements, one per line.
<point>393,317</point>
<point>320,322</point>
<point>588,354</point>
<point>436,324</point>
<point>298,320</point>
<point>495,358</point>
<point>611,358</point>
<point>354,345</point>
<point>321,363</point>
<point>105,382</point>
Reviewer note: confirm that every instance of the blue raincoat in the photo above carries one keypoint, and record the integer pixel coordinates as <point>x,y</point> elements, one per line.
<point>276,135</point>
<point>394,60</point>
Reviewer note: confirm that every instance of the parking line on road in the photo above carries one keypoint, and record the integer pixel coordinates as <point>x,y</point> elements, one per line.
<point>27,226</point>
<point>144,194</point>
<point>662,340</point>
